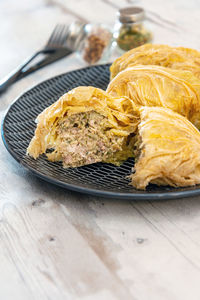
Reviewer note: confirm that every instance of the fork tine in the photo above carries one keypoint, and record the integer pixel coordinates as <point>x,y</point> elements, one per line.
<point>58,36</point>
<point>52,36</point>
<point>64,35</point>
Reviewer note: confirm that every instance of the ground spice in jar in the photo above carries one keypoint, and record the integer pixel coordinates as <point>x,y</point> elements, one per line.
<point>92,42</point>
<point>133,36</point>
<point>94,49</point>
<point>130,31</point>
<point>95,44</point>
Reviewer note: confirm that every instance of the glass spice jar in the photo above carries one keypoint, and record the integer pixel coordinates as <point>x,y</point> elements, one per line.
<point>129,30</point>
<point>95,45</point>
<point>92,42</point>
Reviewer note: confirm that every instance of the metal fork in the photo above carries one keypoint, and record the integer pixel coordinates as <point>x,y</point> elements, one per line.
<point>53,50</point>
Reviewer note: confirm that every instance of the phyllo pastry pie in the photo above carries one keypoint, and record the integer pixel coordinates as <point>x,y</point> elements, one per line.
<point>162,55</point>
<point>167,150</point>
<point>85,126</point>
<point>159,86</point>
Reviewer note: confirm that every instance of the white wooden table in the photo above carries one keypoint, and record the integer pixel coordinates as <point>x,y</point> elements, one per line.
<point>57,244</point>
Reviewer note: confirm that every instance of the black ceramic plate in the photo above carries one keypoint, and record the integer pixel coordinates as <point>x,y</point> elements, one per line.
<point>97,179</point>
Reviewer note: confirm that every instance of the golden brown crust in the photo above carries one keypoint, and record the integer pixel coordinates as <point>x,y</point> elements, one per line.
<point>169,150</point>
<point>162,55</point>
<point>120,112</point>
<point>159,86</point>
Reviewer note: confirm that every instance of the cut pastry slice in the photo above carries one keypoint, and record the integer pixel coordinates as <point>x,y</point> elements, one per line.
<point>159,86</point>
<point>162,55</point>
<point>85,126</point>
<point>168,150</point>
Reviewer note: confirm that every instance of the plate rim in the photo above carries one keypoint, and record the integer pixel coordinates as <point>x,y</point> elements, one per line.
<point>78,188</point>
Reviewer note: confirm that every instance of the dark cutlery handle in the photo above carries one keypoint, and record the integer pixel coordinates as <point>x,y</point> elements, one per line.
<point>14,76</point>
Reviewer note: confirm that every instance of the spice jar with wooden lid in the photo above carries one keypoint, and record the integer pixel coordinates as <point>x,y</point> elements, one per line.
<point>130,30</point>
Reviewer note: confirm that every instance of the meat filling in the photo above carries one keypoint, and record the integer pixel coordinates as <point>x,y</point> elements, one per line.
<point>137,149</point>
<point>85,139</point>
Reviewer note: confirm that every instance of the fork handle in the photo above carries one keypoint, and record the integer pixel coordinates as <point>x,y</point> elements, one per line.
<point>14,75</point>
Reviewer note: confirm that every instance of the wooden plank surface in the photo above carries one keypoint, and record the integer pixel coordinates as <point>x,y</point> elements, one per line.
<point>57,244</point>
